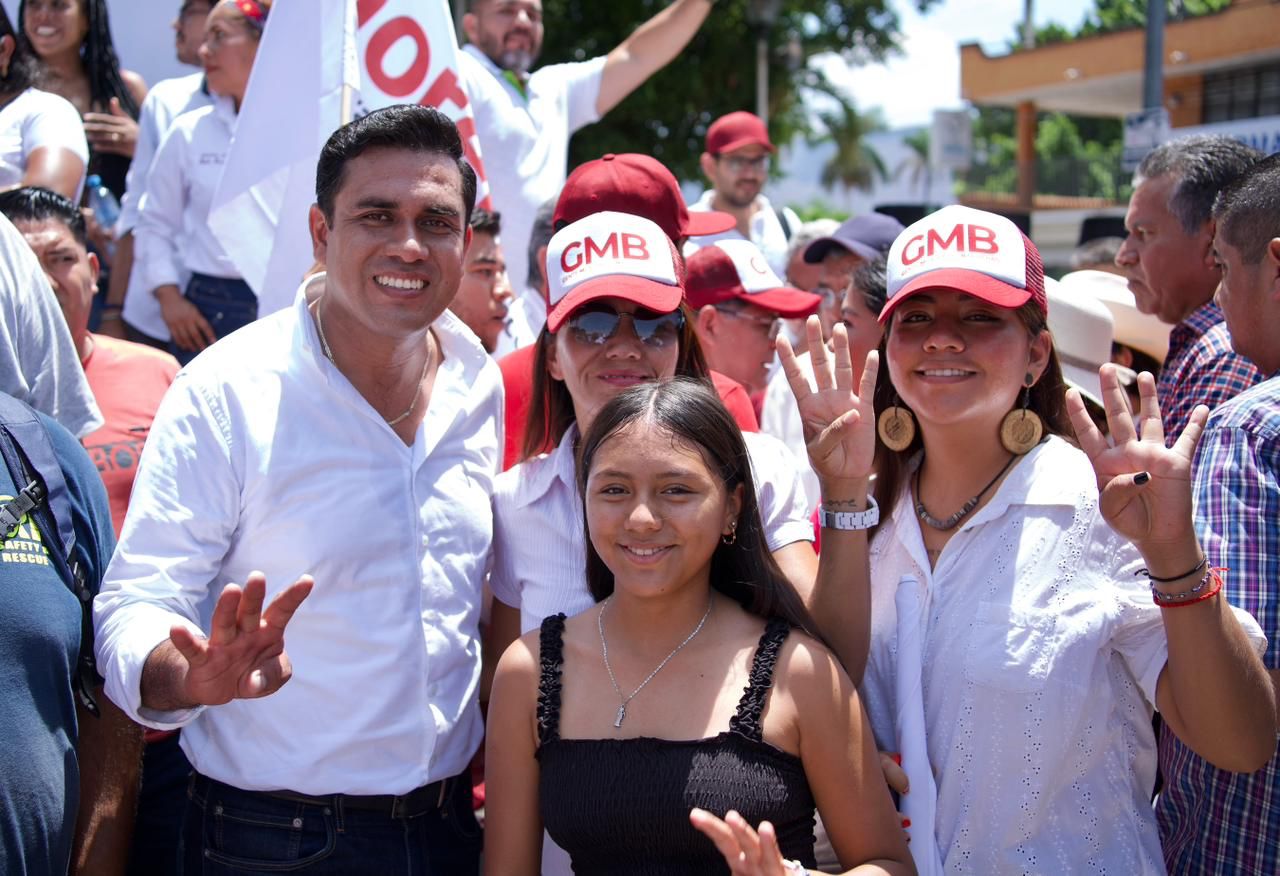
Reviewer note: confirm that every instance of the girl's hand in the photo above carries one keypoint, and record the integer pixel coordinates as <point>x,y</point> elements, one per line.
<point>747,852</point>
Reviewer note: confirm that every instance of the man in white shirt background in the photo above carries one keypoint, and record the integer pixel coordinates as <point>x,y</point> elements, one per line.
<point>131,311</point>
<point>525,120</point>
<point>736,162</point>
<point>351,440</point>
<point>484,290</point>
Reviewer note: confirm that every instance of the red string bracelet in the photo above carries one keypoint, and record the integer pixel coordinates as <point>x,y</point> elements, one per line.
<point>1192,596</point>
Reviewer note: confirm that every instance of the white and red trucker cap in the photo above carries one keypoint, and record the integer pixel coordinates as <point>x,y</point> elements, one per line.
<point>729,270</point>
<point>611,255</point>
<point>965,250</point>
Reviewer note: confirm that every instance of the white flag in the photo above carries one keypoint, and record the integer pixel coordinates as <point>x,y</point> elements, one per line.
<point>319,64</point>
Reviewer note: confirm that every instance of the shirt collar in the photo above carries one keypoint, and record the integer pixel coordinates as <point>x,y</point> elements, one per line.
<point>538,475</point>
<point>1203,318</point>
<point>1050,474</point>
<point>493,68</point>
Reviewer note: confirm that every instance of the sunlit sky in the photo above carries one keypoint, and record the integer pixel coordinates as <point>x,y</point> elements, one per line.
<point>926,75</point>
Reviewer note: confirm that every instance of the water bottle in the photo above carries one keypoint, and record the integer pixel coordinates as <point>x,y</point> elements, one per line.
<point>106,209</point>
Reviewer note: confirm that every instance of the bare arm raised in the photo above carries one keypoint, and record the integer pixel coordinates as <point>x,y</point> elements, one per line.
<point>242,658</point>
<point>1213,691</point>
<point>839,431</point>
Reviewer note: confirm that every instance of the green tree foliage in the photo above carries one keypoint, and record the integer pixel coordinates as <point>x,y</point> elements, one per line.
<point>1075,155</point>
<point>668,116</point>
<point>855,165</point>
<point>1110,15</point>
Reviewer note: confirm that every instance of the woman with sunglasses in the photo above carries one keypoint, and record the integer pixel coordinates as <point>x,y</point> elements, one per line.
<point>1028,609</point>
<point>173,239</point>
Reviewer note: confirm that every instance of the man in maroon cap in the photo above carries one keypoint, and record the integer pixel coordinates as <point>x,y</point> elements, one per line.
<point>738,301</point>
<point>737,163</point>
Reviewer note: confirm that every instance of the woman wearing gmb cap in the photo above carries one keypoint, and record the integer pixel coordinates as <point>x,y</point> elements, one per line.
<point>1029,608</point>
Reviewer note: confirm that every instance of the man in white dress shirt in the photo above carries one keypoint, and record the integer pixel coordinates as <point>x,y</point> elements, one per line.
<point>337,458</point>
<point>736,162</point>
<point>525,120</point>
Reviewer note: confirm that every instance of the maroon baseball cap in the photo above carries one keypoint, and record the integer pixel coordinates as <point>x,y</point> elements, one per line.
<point>736,130</point>
<point>730,270</point>
<point>635,184</point>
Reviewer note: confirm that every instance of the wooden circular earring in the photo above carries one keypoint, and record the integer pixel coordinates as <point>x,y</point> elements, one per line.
<point>896,428</point>
<point>1022,429</point>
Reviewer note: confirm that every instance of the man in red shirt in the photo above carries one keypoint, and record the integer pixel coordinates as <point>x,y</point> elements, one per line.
<point>128,380</point>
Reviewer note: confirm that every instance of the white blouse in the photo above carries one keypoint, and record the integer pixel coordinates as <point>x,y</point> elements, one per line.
<point>539,548</point>
<point>1041,652</point>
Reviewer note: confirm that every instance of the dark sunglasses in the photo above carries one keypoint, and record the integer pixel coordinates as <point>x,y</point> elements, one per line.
<point>654,329</point>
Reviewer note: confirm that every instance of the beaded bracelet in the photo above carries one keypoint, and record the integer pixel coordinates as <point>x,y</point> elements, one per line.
<point>1192,596</point>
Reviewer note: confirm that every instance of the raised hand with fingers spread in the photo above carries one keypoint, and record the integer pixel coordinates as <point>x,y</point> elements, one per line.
<point>839,423</point>
<point>1144,488</point>
<point>242,658</point>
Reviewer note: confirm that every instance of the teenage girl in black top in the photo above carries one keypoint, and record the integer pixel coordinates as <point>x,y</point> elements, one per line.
<point>689,694</point>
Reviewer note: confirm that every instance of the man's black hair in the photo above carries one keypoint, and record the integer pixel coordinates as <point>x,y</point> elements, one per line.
<point>415,128</point>
<point>34,204</point>
<point>1248,210</point>
<point>486,222</point>
<point>1202,165</point>
<point>543,230</point>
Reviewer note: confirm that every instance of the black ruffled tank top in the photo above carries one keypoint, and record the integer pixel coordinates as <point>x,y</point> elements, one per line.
<point>621,806</point>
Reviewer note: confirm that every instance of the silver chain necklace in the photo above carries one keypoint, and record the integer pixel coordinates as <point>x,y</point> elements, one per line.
<point>604,648</point>
<point>328,354</point>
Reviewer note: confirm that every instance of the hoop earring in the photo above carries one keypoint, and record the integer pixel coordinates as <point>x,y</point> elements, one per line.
<point>1022,429</point>
<point>732,537</point>
<point>896,427</point>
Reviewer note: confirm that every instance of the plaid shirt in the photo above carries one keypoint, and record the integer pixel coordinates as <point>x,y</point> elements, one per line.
<point>1212,821</point>
<point>1200,369</point>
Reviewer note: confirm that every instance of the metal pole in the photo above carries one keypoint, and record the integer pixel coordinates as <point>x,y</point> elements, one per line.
<point>762,76</point>
<point>1153,72</point>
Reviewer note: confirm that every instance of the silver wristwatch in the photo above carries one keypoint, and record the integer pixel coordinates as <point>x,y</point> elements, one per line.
<point>850,520</point>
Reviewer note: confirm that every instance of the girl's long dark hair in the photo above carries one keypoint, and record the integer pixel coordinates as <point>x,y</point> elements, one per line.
<point>97,53</point>
<point>692,412</point>
<point>551,407</point>
<point>1047,398</point>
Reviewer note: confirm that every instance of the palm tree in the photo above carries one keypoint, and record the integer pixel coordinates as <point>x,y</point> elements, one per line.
<point>855,165</point>
<point>917,163</point>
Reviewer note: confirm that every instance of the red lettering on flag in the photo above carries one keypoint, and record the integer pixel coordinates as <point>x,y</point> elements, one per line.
<point>367,9</point>
<point>379,44</point>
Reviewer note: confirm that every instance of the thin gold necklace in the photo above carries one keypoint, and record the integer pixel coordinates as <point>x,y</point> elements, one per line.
<point>328,354</point>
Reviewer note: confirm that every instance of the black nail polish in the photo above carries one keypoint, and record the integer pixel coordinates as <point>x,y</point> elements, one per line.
<point>1141,478</point>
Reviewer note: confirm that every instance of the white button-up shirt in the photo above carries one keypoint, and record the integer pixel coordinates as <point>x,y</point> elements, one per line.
<point>767,232</point>
<point>1041,652</point>
<point>172,239</point>
<point>524,138</point>
<point>540,560</point>
<point>166,101</point>
<point>264,456</point>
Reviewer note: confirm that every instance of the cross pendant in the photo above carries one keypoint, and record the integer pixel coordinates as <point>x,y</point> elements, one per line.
<point>622,713</point>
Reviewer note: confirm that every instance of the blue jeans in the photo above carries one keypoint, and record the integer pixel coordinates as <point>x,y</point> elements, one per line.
<point>166,774</point>
<point>227,304</point>
<point>229,831</point>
